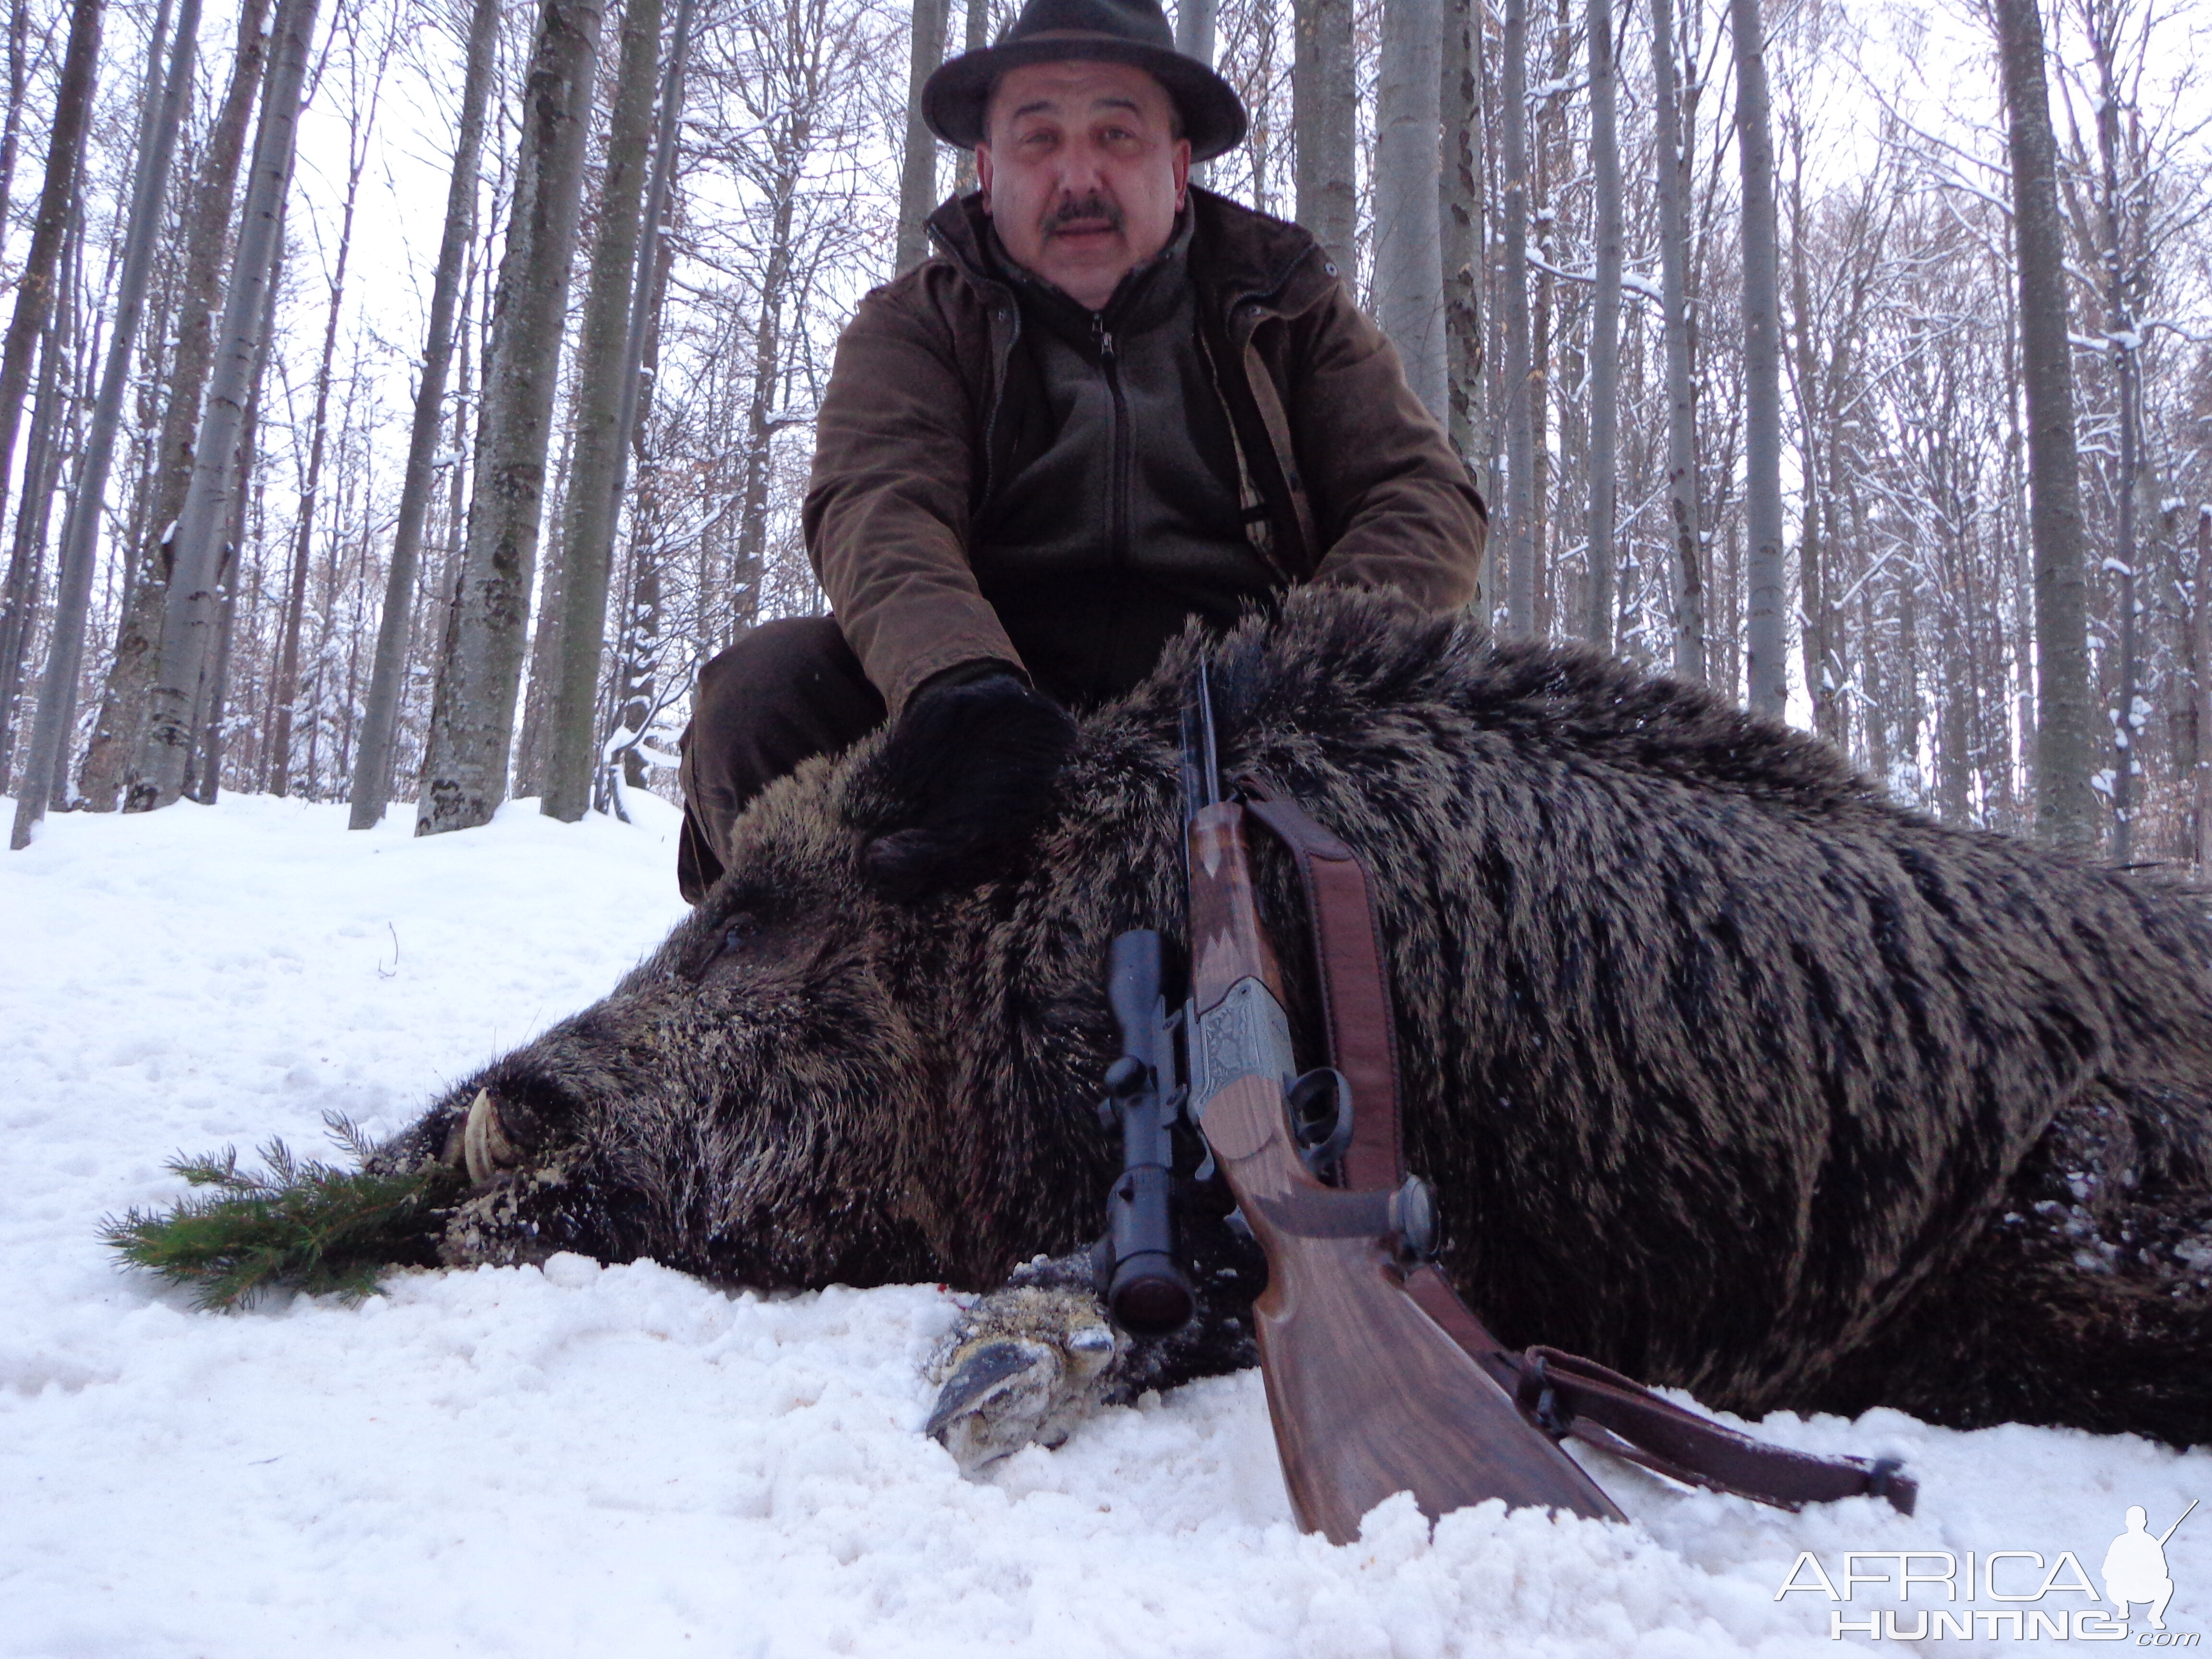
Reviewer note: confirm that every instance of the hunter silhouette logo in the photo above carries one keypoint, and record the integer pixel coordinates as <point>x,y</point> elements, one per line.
<point>2134,1566</point>
<point>2029,1591</point>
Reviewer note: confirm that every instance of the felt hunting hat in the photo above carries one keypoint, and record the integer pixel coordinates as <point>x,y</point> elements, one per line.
<point>954,101</point>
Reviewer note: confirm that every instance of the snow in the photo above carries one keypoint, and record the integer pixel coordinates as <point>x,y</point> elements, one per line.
<point>624,1461</point>
<point>1636,282</point>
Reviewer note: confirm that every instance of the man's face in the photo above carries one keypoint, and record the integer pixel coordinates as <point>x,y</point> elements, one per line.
<point>1082,172</point>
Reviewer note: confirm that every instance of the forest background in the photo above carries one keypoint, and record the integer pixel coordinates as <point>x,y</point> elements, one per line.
<point>402,398</point>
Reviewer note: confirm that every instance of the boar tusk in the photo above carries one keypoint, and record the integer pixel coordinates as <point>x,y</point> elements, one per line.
<point>483,1143</point>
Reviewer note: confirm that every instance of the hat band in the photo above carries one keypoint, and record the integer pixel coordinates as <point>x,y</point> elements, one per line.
<point>1082,34</point>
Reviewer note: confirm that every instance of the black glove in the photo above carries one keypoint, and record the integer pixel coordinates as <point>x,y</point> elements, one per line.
<point>965,774</point>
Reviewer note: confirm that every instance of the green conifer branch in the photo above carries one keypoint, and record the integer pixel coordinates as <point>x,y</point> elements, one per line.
<point>301,1224</point>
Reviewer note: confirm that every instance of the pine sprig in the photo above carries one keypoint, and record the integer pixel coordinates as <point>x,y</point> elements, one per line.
<point>301,1224</point>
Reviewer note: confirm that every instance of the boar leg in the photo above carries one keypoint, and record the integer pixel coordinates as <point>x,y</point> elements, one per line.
<point>2086,1303</point>
<point>1026,1363</point>
<point>1031,1359</point>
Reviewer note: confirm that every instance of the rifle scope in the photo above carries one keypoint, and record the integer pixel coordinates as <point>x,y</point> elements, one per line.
<point>1143,1282</point>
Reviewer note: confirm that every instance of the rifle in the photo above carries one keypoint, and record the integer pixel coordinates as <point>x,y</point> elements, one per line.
<point>1379,1379</point>
<point>1369,1395</point>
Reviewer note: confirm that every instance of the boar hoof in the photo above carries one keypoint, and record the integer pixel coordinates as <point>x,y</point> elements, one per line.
<point>995,1402</point>
<point>484,1144</point>
<point>1026,1364</point>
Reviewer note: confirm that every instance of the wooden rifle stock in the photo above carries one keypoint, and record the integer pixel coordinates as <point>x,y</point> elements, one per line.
<point>1369,1395</point>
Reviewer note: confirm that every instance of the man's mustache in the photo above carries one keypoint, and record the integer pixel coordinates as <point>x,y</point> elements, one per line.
<point>1086,210</point>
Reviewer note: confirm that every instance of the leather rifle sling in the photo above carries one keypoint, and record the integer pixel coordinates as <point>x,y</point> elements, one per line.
<point>1559,1393</point>
<point>1355,993</point>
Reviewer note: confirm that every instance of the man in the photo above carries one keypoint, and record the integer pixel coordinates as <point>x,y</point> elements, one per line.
<point>1111,403</point>
<point>2134,1566</point>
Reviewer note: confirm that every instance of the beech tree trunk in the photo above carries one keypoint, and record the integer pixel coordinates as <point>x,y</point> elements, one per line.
<point>119,738</point>
<point>1548,165</point>
<point>1605,325</point>
<point>1194,29</point>
<point>590,510</point>
<point>633,699</point>
<point>287,692</point>
<point>34,288</point>
<point>11,128</point>
<point>206,769</point>
<point>918,176</point>
<point>189,622</point>
<point>2131,708</point>
<point>1459,216</point>
<point>543,673</point>
<point>34,301</point>
<point>1876,719</point>
<point>472,720</point>
<point>1194,36</point>
<point>1681,395</point>
<point>2063,808</point>
<point>1408,247</point>
<point>442,587</point>
<point>1906,688</point>
<point>27,558</point>
<point>1823,626</point>
<point>372,775</point>
<point>1954,771</point>
<point>162,113</point>
<point>2200,654</point>
<point>2123,339</point>
<point>1323,102</point>
<point>639,693</point>
<point>1767,677</point>
<point>761,424</point>
<point>55,443</point>
<point>1513,288</point>
<point>977,35</point>
<point>1815,622</point>
<point>652,284</point>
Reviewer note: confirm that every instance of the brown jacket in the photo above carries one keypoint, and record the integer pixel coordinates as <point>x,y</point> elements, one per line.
<point>1358,484</point>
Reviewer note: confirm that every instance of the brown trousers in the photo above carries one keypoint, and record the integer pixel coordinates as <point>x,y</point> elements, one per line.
<point>786,691</point>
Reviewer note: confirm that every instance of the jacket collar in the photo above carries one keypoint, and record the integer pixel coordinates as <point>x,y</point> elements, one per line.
<point>1241,256</point>
<point>1145,296</point>
<point>1237,256</point>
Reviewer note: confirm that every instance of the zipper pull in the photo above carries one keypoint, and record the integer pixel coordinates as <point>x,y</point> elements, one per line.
<point>1103,335</point>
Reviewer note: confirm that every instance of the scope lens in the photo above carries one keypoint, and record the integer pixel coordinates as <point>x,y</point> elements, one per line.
<point>1151,1304</point>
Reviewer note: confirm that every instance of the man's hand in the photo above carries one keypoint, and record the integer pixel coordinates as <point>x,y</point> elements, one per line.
<point>965,774</point>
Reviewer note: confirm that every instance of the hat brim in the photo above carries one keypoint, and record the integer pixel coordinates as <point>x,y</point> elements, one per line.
<point>956,99</point>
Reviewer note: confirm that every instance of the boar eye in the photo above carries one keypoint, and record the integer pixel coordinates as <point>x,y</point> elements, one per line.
<point>740,929</point>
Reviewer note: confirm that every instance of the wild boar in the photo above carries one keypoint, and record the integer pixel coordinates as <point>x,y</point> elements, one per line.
<point>1726,1072</point>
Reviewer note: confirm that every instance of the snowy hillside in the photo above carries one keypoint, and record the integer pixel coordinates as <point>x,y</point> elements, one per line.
<point>625,1462</point>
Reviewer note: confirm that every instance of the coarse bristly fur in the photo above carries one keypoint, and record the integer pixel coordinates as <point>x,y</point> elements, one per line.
<point>1729,1073</point>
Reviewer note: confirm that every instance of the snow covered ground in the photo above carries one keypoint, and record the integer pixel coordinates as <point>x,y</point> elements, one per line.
<point>625,1462</point>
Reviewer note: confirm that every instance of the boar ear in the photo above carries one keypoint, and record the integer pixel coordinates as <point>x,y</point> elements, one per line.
<point>963,778</point>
